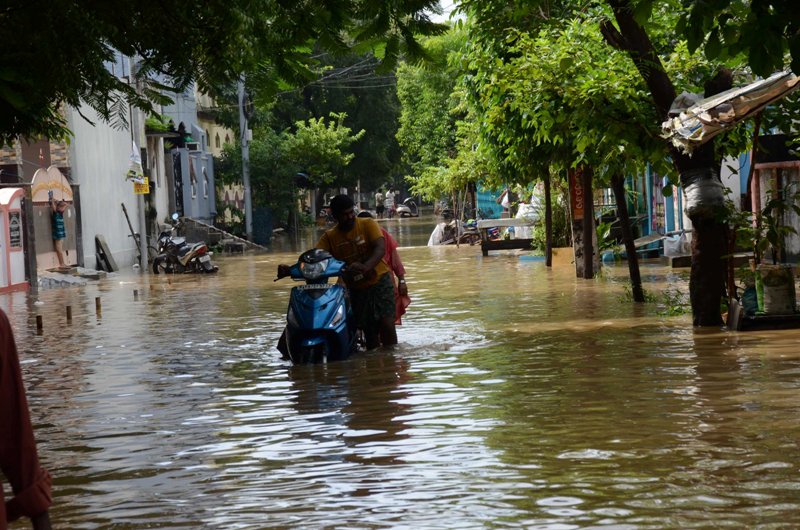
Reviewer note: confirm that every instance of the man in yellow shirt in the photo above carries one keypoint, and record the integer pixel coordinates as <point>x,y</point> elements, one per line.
<point>358,241</point>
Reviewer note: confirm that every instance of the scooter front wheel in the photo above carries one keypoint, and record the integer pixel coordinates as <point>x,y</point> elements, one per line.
<point>315,354</point>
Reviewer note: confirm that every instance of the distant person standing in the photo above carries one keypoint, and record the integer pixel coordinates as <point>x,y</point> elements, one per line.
<point>19,460</point>
<point>508,200</point>
<point>59,231</point>
<point>388,203</point>
<point>379,208</point>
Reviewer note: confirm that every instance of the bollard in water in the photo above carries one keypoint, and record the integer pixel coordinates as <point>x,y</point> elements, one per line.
<point>39,324</point>
<point>97,306</point>
<point>69,313</point>
<point>135,294</point>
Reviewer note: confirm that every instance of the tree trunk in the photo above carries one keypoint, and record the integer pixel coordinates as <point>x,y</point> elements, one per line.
<point>618,185</point>
<point>705,203</point>
<point>548,223</point>
<point>707,280</point>
<point>699,173</point>
<point>588,222</point>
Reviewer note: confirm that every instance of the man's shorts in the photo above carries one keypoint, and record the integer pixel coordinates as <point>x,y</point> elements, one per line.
<point>373,304</point>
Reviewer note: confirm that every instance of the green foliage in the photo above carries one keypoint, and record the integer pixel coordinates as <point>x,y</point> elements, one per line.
<point>604,239</point>
<point>548,86</point>
<point>765,231</point>
<point>316,147</point>
<point>349,84</point>
<point>627,295</point>
<point>765,33</point>
<point>429,117</point>
<point>669,302</point>
<point>60,49</point>
<point>69,43</point>
<point>269,176</point>
<point>562,232</point>
<point>554,93</point>
<point>673,302</point>
<point>157,123</point>
<point>236,225</point>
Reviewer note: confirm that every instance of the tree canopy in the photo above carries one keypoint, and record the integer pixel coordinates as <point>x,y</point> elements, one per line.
<point>762,30</point>
<point>349,84</point>
<point>319,148</point>
<point>427,123</point>
<point>632,63</point>
<point>57,51</point>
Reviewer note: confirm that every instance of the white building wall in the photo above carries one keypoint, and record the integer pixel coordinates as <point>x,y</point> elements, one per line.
<point>100,157</point>
<point>183,110</point>
<point>159,185</point>
<point>730,174</point>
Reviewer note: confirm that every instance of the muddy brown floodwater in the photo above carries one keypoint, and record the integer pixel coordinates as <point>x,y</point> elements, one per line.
<point>519,397</point>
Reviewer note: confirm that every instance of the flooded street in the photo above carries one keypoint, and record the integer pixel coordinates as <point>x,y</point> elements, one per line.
<point>519,397</point>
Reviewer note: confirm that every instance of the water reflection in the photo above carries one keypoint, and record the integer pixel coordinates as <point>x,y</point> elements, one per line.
<point>519,396</point>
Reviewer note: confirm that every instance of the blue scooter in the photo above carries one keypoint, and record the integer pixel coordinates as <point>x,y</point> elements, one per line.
<point>319,322</point>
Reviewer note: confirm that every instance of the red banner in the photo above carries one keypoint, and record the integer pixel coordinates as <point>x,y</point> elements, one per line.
<point>576,196</point>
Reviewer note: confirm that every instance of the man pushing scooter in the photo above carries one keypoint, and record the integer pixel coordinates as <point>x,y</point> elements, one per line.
<point>358,241</point>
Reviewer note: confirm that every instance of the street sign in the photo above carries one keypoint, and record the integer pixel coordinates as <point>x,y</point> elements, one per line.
<point>142,189</point>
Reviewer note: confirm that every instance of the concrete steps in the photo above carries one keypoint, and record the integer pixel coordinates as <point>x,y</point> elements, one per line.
<point>195,230</point>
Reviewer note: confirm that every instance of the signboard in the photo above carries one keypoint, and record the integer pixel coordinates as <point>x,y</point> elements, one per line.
<point>14,230</point>
<point>576,196</point>
<point>48,180</point>
<point>143,188</point>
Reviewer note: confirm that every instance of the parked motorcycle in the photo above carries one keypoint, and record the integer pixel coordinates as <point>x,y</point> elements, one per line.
<point>453,231</point>
<point>319,322</point>
<point>178,256</point>
<point>408,208</point>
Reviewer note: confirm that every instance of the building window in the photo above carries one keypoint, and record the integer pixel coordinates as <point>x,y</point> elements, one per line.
<point>208,139</point>
<point>216,141</point>
<point>227,139</point>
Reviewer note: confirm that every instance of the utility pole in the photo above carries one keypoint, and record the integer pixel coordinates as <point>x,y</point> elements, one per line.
<point>244,137</point>
<point>137,133</point>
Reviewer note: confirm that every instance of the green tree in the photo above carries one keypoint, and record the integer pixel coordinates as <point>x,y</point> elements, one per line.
<point>269,174</point>
<point>699,173</point>
<point>315,147</point>
<point>762,30</point>
<point>57,51</point>
<point>428,131</point>
<point>319,149</point>
<point>641,30</point>
<point>350,84</point>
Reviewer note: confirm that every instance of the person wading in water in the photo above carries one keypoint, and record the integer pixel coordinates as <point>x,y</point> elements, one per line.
<point>358,242</point>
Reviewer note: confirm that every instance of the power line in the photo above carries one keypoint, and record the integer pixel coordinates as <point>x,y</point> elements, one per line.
<point>360,87</point>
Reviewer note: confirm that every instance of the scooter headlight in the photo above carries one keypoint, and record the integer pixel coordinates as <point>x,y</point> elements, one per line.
<point>312,271</point>
<point>338,316</point>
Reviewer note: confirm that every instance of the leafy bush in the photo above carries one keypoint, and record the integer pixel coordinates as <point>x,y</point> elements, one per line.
<point>562,234</point>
